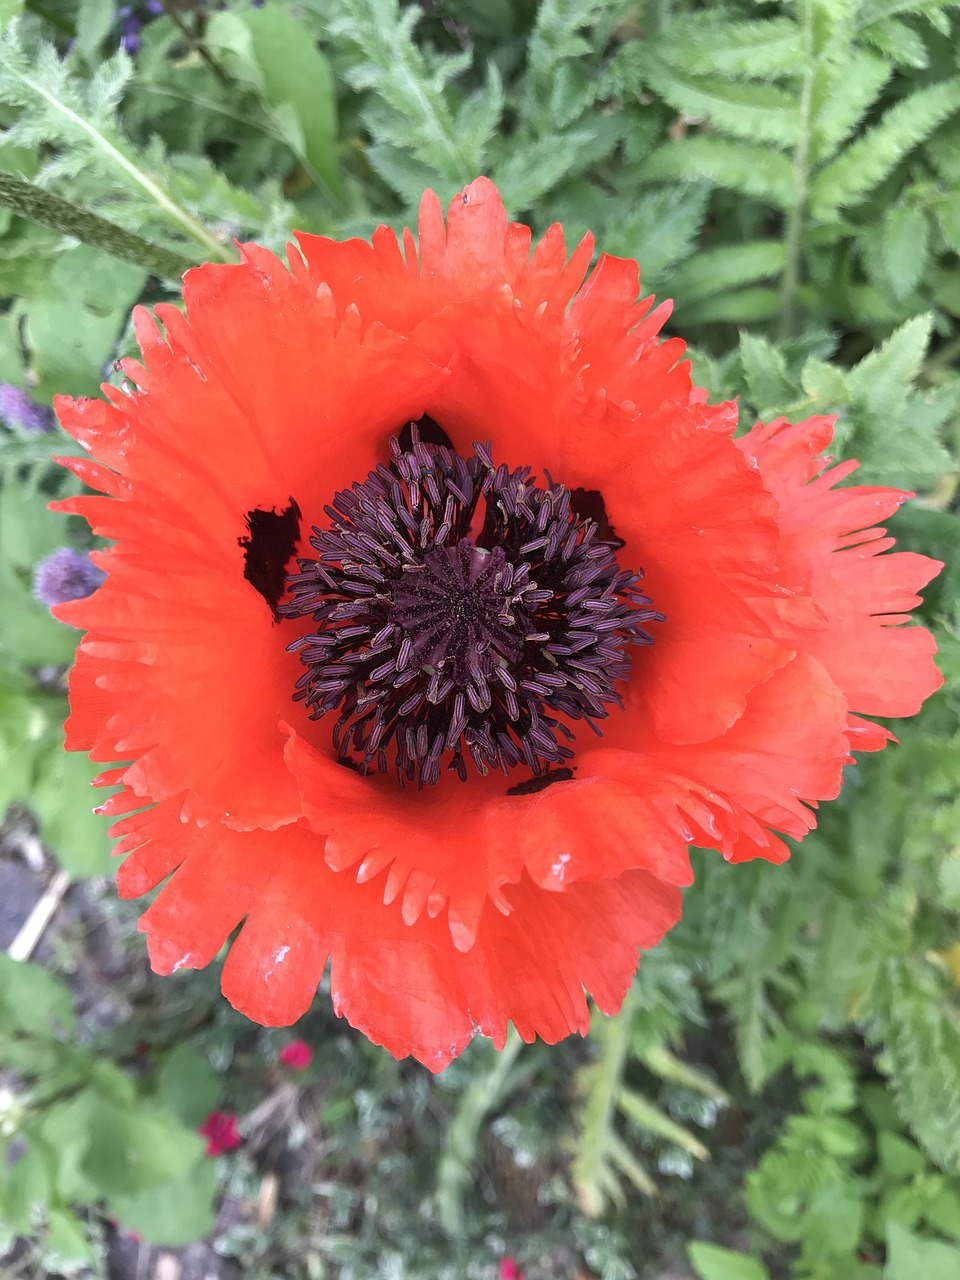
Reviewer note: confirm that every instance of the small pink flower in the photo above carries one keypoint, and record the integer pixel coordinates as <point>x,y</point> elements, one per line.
<point>221,1132</point>
<point>510,1270</point>
<point>297,1055</point>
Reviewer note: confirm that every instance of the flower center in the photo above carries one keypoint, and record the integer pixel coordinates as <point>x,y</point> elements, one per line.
<point>466,614</point>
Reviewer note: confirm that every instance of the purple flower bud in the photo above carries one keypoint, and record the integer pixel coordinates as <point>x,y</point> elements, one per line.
<point>155,7</point>
<point>131,36</point>
<point>18,410</point>
<point>66,574</point>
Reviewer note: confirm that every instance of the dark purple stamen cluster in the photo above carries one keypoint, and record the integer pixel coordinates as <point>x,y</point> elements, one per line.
<point>465,612</point>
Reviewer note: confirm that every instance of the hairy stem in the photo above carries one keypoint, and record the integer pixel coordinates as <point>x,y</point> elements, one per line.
<point>29,201</point>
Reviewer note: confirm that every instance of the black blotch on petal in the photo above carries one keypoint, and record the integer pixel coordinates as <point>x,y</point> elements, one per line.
<point>533,785</point>
<point>588,504</point>
<point>268,550</point>
<point>430,433</point>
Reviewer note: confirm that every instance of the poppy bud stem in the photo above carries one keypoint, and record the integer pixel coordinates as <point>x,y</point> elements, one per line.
<point>30,201</point>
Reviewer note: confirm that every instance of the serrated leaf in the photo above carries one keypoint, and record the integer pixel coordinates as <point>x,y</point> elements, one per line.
<point>530,170</point>
<point>825,384</point>
<point>883,378</point>
<point>659,230</point>
<point>714,271</point>
<point>898,43</point>
<point>714,45</point>
<point>560,85</point>
<point>847,100</point>
<point>75,123</point>
<point>921,1055</point>
<point>94,20</point>
<point>410,105</point>
<point>905,239</point>
<point>754,112</point>
<point>872,157</point>
<point>771,387</point>
<point>738,166</point>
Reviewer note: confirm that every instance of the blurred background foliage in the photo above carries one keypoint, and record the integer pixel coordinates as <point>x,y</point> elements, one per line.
<point>780,1097</point>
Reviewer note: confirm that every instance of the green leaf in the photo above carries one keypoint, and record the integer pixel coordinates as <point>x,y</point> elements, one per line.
<point>188,1085</point>
<point>270,49</point>
<point>949,877</point>
<point>904,248</point>
<point>131,1148</point>
<point>64,1128</point>
<point>713,45</point>
<point>884,377</point>
<point>911,1257</point>
<point>825,384</point>
<point>771,388</point>
<point>558,54</point>
<point>715,271</point>
<point>58,109</point>
<point>10,9</point>
<point>409,102</point>
<point>711,1262</point>
<point>175,1213</point>
<point>750,169</point>
<point>67,1237</point>
<point>874,155</point>
<point>850,96</point>
<point>753,112</point>
<point>898,43</point>
<point>645,1115</point>
<point>63,798</point>
<point>27,1184</point>
<point>28,531</point>
<point>94,20</point>
<point>33,1000</point>
<point>30,636</point>
<point>898,1158</point>
<point>659,230</point>
<point>72,326</point>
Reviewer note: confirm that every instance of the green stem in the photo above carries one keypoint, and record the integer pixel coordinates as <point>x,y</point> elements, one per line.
<point>454,1173</point>
<point>194,229</point>
<point>29,201</point>
<point>793,236</point>
<point>196,43</point>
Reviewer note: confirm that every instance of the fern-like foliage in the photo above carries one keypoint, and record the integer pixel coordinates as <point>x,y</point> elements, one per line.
<point>793,111</point>
<point>610,1106</point>
<point>72,123</point>
<point>917,1024</point>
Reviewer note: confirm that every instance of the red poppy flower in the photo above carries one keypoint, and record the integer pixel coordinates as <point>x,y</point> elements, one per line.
<point>375,640</point>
